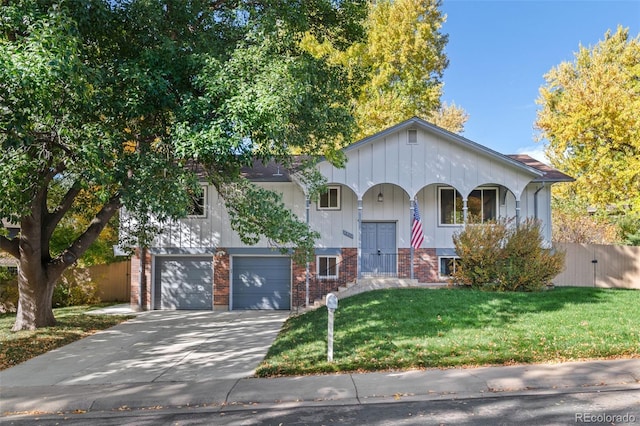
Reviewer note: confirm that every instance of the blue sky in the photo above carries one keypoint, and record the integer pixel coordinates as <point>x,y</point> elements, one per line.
<point>499,52</point>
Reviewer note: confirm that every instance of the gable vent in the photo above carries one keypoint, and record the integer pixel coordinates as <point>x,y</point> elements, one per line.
<point>412,136</point>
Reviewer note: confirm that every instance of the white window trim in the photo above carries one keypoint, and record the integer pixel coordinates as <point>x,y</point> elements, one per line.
<point>440,273</point>
<point>339,199</point>
<point>327,277</point>
<point>481,188</point>
<point>205,204</point>
<point>439,204</point>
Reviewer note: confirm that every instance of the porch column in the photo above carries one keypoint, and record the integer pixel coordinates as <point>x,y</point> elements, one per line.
<point>359,260</point>
<point>465,210</point>
<point>518,212</point>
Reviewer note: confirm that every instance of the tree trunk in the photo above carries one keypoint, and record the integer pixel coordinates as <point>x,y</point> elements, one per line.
<point>35,289</point>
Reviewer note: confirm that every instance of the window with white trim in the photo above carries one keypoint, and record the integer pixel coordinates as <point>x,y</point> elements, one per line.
<point>198,206</point>
<point>330,199</point>
<point>448,265</point>
<point>327,267</point>
<point>482,205</point>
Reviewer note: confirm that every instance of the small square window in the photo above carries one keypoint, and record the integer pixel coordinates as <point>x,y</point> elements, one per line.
<point>448,266</point>
<point>330,199</point>
<point>412,136</point>
<point>327,267</point>
<point>199,203</point>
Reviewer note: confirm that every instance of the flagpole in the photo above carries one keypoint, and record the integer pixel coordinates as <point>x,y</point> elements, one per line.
<point>411,210</point>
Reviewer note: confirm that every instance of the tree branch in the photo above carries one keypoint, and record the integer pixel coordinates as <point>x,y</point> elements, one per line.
<point>10,246</point>
<point>82,243</point>
<point>52,219</point>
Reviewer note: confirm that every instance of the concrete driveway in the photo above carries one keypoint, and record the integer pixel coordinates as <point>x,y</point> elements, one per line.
<point>158,346</point>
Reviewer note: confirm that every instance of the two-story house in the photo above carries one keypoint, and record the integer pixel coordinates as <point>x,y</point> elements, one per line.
<point>365,222</point>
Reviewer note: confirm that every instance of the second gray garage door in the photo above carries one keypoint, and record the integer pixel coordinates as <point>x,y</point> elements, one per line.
<point>261,283</point>
<point>183,282</point>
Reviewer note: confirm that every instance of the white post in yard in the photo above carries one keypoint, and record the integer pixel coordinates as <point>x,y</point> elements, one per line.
<point>332,305</point>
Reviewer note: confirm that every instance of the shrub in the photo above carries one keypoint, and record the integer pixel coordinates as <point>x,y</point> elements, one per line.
<point>75,288</point>
<point>8,290</point>
<point>503,257</point>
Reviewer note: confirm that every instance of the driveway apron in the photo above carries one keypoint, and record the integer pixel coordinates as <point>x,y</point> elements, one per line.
<point>158,346</point>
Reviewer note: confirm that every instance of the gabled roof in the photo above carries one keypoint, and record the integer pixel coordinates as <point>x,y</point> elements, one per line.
<point>549,173</point>
<point>417,122</point>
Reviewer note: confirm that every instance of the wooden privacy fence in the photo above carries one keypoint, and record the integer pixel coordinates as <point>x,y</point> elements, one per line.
<point>112,280</point>
<point>596,265</point>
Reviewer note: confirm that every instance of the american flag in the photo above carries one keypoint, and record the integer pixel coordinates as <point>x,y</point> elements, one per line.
<point>417,237</point>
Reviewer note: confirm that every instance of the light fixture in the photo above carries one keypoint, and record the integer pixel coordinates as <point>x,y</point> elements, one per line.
<point>380,196</point>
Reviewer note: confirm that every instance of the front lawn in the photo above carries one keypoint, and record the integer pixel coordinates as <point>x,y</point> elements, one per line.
<point>73,324</point>
<point>421,328</point>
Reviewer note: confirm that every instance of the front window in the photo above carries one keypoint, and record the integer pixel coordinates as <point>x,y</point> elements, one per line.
<point>327,267</point>
<point>450,207</point>
<point>482,206</point>
<point>198,202</point>
<point>330,199</point>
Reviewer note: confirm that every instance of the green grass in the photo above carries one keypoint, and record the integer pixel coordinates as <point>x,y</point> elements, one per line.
<point>419,328</point>
<point>73,324</point>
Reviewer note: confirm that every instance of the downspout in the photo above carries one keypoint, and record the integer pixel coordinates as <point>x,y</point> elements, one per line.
<point>535,200</point>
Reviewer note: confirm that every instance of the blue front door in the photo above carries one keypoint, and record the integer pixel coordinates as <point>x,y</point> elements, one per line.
<point>379,248</point>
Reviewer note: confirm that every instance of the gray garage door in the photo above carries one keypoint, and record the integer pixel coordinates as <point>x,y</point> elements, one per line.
<point>261,283</point>
<point>183,283</point>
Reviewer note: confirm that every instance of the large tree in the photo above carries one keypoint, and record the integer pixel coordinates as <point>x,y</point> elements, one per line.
<point>399,66</point>
<point>590,117</point>
<point>131,101</point>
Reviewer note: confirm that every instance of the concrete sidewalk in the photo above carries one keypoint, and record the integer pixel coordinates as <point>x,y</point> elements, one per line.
<point>166,359</point>
<point>342,389</point>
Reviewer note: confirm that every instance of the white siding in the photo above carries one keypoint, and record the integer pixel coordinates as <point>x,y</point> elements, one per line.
<point>214,230</point>
<point>432,160</point>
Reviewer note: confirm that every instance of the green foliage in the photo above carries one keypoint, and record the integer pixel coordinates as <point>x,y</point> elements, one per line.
<point>398,69</point>
<point>111,103</point>
<point>589,116</point>
<point>252,208</point>
<point>629,226</point>
<point>418,328</point>
<point>8,290</point>
<point>502,257</point>
<point>75,288</point>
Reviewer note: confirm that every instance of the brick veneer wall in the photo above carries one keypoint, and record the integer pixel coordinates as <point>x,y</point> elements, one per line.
<point>135,281</point>
<point>425,263</point>
<point>221,280</point>
<point>425,271</point>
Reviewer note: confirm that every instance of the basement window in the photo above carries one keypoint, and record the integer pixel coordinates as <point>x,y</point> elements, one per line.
<point>327,267</point>
<point>448,265</point>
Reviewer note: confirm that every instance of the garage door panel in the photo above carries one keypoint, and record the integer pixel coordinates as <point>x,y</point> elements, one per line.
<point>261,283</point>
<point>184,283</point>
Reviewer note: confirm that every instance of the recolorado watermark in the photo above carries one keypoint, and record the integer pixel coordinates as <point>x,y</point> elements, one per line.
<point>587,417</point>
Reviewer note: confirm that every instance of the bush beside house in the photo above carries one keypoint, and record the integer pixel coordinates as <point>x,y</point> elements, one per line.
<point>505,257</point>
